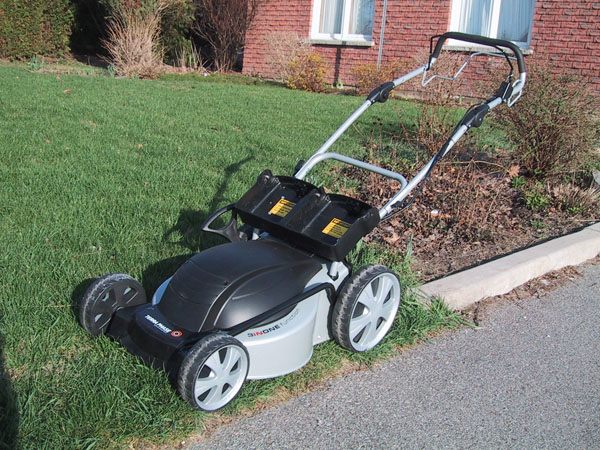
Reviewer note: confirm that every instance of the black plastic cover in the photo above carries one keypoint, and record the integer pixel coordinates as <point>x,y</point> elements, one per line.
<point>475,39</point>
<point>146,333</point>
<point>381,93</point>
<point>232,283</point>
<point>304,216</point>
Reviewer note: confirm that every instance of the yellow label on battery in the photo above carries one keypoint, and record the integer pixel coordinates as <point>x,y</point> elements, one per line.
<point>336,228</point>
<point>282,207</point>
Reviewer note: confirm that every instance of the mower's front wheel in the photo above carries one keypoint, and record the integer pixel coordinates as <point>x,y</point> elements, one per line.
<point>104,297</point>
<point>213,372</point>
<point>366,307</point>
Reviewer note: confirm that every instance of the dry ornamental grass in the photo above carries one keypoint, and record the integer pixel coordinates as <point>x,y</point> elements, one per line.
<point>133,41</point>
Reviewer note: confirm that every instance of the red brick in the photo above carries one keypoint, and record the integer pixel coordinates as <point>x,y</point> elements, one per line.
<point>560,29</point>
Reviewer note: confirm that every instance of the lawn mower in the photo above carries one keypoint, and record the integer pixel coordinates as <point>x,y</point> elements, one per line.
<point>254,307</point>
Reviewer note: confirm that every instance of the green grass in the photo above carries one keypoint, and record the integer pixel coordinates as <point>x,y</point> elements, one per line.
<point>102,175</point>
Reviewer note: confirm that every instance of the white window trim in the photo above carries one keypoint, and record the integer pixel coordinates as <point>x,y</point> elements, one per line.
<point>455,22</point>
<point>342,38</point>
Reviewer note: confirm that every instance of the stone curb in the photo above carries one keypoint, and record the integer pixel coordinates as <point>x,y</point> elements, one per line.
<point>500,276</point>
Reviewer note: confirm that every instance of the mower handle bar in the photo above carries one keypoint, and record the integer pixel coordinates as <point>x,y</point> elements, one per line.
<point>509,92</point>
<point>481,40</point>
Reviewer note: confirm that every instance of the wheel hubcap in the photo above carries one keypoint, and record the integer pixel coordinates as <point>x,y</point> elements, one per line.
<point>221,377</point>
<point>114,298</point>
<point>374,311</point>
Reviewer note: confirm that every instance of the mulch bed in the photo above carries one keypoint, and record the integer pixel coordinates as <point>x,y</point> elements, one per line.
<point>467,213</point>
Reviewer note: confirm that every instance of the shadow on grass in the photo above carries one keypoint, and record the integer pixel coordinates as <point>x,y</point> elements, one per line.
<point>9,411</point>
<point>189,223</point>
<point>77,295</point>
<point>189,227</point>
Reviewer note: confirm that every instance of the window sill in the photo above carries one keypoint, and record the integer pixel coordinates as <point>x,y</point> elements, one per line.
<point>343,42</point>
<point>480,48</point>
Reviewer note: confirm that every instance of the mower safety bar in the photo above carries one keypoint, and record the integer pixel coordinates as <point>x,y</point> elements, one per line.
<point>353,162</point>
<point>481,40</point>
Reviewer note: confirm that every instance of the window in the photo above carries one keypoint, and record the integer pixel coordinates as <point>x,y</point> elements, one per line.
<point>343,20</point>
<point>502,19</point>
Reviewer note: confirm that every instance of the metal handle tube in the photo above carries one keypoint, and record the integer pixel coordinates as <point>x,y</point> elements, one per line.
<point>354,162</point>
<point>409,76</point>
<point>418,178</point>
<point>350,120</point>
<point>334,137</point>
<point>403,193</point>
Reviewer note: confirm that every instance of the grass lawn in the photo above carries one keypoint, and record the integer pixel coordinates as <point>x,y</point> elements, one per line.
<point>102,175</point>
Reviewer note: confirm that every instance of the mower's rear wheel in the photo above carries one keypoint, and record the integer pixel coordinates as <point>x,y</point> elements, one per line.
<point>366,307</point>
<point>213,372</point>
<point>104,297</point>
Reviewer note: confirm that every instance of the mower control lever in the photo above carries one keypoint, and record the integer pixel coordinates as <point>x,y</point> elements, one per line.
<point>504,91</point>
<point>474,116</point>
<point>381,93</point>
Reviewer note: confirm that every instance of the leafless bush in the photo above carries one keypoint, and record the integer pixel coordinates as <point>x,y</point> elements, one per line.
<point>281,48</point>
<point>133,40</point>
<point>223,24</point>
<point>434,124</point>
<point>554,127</point>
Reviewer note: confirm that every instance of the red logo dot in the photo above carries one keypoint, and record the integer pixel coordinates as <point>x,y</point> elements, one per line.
<point>176,333</point>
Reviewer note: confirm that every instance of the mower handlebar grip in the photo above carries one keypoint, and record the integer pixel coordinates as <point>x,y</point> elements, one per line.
<point>482,40</point>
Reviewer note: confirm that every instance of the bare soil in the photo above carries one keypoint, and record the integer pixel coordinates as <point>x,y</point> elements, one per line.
<point>467,213</point>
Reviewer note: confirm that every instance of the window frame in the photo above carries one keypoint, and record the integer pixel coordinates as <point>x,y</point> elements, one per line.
<point>343,38</point>
<point>455,23</point>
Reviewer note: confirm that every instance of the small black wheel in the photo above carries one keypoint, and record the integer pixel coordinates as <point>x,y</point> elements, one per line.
<point>366,307</point>
<point>213,372</point>
<point>106,295</point>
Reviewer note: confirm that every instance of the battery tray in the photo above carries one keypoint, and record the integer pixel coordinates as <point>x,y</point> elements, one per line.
<point>304,216</point>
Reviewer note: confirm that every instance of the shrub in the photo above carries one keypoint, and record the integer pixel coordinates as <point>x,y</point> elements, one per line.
<point>367,76</point>
<point>133,41</point>
<point>307,72</point>
<point>554,127</point>
<point>34,27</point>
<point>575,200</point>
<point>175,22</point>
<point>223,24</point>
<point>537,198</point>
<point>281,48</point>
<point>175,36</point>
<point>187,57</point>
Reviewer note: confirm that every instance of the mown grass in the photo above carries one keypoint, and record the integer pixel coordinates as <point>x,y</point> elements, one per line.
<point>103,175</point>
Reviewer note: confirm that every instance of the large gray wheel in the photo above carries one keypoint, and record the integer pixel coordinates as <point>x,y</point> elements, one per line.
<point>366,307</point>
<point>104,297</point>
<point>213,372</point>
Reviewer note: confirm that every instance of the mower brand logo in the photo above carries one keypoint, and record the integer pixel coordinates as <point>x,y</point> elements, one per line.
<point>274,327</point>
<point>157,324</point>
<point>265,331</point>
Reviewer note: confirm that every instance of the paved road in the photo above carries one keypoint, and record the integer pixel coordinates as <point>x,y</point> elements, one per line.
<point>528,378</point>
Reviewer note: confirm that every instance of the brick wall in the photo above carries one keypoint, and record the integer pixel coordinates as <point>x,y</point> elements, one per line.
<point>567,32</point>
<point>273,16</point>
<point>408,27</point>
